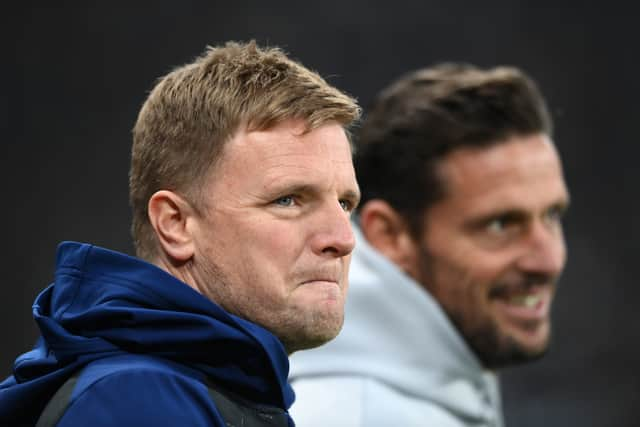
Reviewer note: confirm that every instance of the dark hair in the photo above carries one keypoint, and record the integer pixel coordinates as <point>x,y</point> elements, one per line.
<point>423,116</point>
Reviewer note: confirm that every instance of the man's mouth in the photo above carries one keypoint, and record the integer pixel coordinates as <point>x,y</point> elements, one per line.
<point>326,275</point>
<point>528,301</point>
<point>319,280</point>
<point>528,304</point>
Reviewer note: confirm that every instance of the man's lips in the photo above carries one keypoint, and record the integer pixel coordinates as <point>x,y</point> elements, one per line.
<point>326,275</point>
<point>528,304</point>
<point>325,288</point>
<point>320,280</point>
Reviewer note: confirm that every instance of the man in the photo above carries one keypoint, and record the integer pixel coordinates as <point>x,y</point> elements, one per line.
<point>459,248</point>
<point>241,187</point>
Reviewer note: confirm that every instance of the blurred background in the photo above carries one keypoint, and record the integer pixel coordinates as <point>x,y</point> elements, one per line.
<point>76,74</point>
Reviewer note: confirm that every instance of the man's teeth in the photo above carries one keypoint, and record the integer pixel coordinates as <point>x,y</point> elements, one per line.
<point>525,300</point>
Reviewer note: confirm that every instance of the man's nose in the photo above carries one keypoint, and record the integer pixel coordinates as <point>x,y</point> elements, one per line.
<point>544,251</point>
<point>333,235</point>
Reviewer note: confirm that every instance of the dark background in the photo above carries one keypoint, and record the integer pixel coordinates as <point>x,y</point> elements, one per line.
<point>76,74</point>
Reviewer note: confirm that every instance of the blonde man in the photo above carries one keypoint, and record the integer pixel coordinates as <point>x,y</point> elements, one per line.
<point>241,187</point>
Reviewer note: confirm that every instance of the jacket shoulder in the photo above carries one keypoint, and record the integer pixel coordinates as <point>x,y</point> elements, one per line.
<point>356,401</point>
<point>139,390</point>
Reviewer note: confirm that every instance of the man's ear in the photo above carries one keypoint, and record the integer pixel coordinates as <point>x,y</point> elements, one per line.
<point>171,216</point>
<point>387,231</point>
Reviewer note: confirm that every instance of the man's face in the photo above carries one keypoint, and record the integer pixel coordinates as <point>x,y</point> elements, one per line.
<point>493,248</point>
<point>274,239</point>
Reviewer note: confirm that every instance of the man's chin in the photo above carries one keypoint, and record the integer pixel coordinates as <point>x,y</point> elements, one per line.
<point>307,343</point>
<point>513,351</point>
<point>308,339</point>
<point>498,346</point>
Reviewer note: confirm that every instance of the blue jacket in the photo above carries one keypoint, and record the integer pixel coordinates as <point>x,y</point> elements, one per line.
<point>147,343</point>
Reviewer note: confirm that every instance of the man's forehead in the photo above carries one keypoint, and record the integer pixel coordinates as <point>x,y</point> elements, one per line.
<point>517,154</point>
<point>291,132</point>
<point>286,156</point>
<point>509,172</point>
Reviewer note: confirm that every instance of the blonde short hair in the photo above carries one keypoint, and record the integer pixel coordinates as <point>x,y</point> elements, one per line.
<point>196,108</point>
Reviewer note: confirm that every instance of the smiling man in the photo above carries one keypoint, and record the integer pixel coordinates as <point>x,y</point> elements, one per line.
<point>459,249</point>
<point>242,186</point>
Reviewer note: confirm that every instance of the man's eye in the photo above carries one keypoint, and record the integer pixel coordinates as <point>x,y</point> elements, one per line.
<point>555,215</point>
<point>346,205</point>
<point>504,224</point>
<point>496,226</point>
<point>285,201</point>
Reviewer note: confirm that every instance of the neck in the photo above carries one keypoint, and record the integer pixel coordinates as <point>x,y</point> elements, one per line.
<point>180,270</point>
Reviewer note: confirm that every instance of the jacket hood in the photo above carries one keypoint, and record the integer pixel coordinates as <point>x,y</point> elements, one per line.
<point>396,333</point>
<point>104,303</point>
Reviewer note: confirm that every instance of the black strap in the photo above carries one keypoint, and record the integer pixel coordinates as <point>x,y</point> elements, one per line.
<point>238,412</point>
<point>235,411</point>
<point>58,403</point>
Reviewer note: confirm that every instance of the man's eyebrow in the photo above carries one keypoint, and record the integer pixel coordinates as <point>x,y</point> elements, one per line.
<point>353,195</point>
<point>563,204</point>
<point>294,188</point>
<point>515,213</point>
<point>507,213</point>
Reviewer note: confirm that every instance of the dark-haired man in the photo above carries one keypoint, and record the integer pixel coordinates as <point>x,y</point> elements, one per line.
<point>459,247</point>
